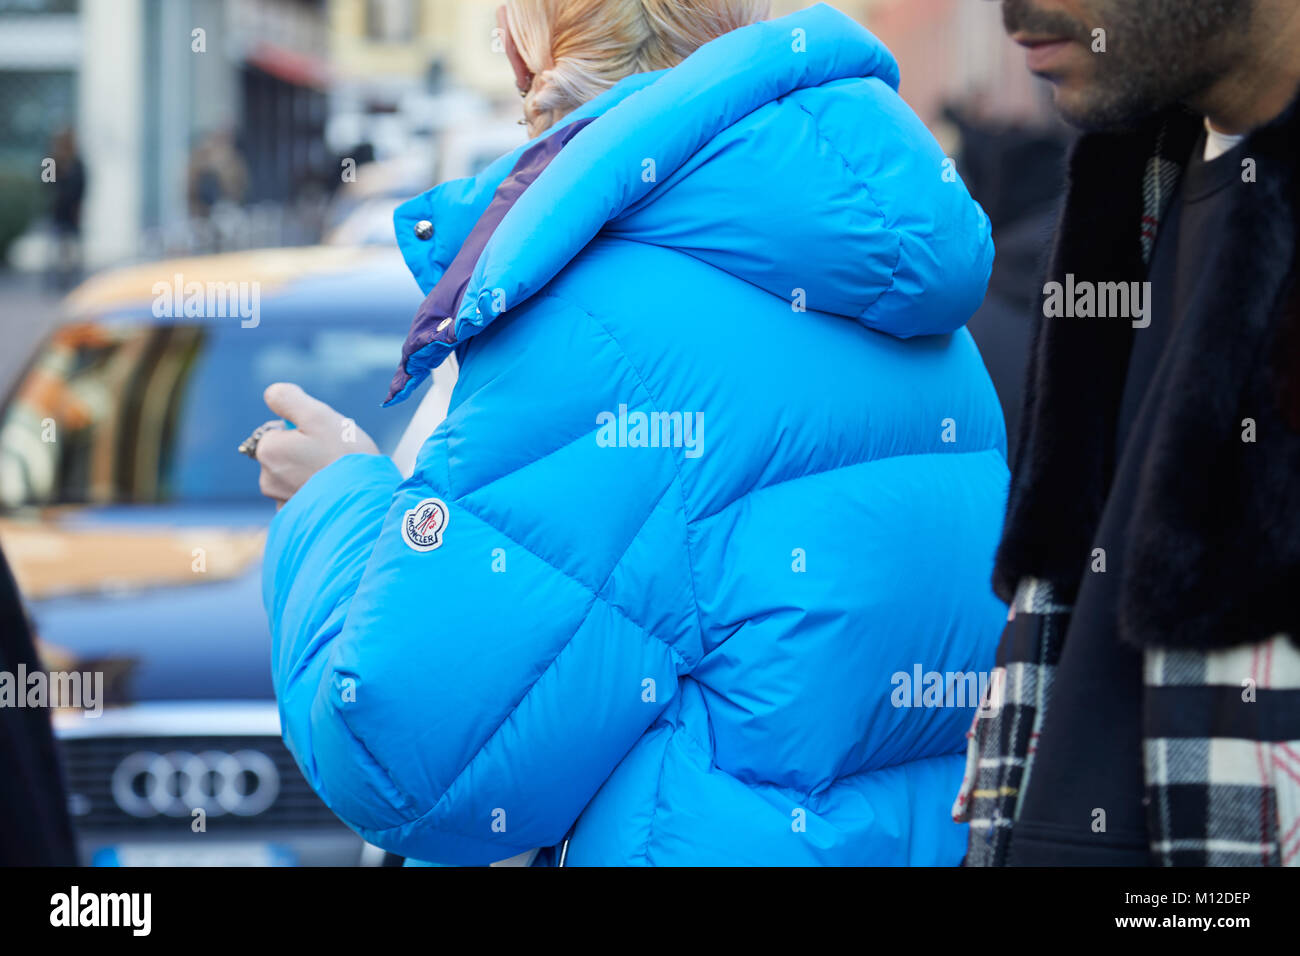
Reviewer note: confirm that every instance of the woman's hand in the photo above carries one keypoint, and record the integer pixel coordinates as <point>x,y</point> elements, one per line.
<point>290,456</point>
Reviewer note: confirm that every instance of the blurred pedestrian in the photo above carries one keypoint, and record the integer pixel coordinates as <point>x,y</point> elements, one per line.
<point>719,486</point>
<point>217,174</point>
<point>65,212</point>
<point>1151,706</point>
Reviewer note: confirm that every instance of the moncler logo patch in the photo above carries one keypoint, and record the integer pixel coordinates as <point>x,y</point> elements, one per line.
<point>423,525</point>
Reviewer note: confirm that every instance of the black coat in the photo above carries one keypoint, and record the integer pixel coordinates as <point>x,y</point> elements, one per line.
<point>34,825</point>
<point>1214,557</point>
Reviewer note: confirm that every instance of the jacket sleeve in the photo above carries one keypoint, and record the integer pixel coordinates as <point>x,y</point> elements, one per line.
<point>459,704</point>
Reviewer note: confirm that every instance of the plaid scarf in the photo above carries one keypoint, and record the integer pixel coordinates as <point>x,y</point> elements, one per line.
<point>1222,772</point>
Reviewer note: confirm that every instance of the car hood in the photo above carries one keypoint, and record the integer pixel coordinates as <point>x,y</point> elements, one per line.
<point>164,601</point>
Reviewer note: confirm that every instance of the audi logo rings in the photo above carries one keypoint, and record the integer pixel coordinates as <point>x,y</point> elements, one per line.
<point>243,783</point>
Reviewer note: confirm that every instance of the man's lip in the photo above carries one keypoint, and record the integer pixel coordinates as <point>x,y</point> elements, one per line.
<point>1033,41</point>
<point>1042,53</point>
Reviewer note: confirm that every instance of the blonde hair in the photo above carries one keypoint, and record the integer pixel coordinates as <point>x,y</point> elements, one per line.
<point>577,49</point>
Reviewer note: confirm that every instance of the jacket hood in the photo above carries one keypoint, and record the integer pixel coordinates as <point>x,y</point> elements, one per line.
<point>779,153</point>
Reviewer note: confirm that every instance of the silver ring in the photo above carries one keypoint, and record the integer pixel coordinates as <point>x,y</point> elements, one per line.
<point>249,445</point>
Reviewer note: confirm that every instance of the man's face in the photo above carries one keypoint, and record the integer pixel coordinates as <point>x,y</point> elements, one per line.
<point>1116,61</point>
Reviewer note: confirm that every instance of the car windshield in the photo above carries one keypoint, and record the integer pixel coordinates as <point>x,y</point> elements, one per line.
<point>118,412</point>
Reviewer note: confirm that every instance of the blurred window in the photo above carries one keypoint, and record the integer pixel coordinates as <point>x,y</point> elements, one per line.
<point>34,105</point>
<point>112,413</point>
<point>391,21</point>
<point>29,7</point>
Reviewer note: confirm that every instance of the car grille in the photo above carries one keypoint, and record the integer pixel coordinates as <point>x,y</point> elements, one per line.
<point>153,784</point>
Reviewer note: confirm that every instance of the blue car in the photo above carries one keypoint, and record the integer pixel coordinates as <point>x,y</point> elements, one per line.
<point>136,532</point>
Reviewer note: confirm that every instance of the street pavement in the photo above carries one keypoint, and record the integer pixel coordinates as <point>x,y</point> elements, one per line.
<point>28,308</point>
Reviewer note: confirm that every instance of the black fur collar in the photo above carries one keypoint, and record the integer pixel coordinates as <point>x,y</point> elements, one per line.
<point>1214,553</point>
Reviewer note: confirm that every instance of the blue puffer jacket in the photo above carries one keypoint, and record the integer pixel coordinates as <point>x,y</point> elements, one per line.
<point>682,654</point>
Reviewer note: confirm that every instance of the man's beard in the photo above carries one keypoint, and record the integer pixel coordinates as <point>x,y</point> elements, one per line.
<point>1158,52</point>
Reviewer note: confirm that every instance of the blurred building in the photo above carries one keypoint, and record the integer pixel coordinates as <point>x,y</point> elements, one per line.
<point>40,52</point>
<point>390,45</point>
<point>186,108</point>
<point>957,51</point>
<point>150,86</point>
<point>950,51</point>
<point>405,71</point>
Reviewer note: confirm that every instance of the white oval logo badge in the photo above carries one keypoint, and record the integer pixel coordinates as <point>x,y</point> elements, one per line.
<point>423,525</point>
